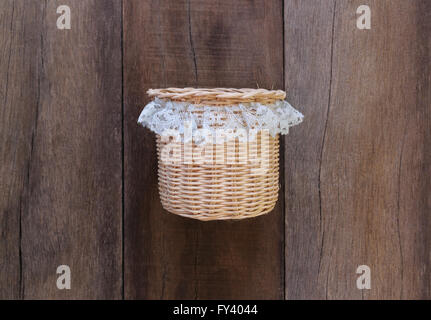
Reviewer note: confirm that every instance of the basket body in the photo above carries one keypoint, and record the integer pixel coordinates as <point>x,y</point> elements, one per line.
<point>240,180</point>
<point>218,149</point>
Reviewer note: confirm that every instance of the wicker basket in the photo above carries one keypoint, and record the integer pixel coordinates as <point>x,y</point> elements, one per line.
<point>218,190</point>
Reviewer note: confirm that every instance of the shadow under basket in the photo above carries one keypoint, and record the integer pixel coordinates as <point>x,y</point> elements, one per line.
<point>238,178</point>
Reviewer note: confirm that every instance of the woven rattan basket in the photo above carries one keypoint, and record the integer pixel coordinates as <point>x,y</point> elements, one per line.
<point>219,189</point>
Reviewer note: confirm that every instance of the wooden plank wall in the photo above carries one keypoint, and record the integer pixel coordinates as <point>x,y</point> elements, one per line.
<point>358,170</point>
<point>61,150</point>
<point>78,176</point>
<point>208,43</point>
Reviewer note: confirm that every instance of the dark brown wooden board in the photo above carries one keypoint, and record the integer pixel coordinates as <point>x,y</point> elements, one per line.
<point>358,170</point>
<point>308,41</point>
<point>356,184</point>
<point>61,142</point>
<point>19,43</point>
<point>196,43</point>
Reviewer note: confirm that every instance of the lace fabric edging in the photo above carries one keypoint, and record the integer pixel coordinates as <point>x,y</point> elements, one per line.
<point>185,121</point>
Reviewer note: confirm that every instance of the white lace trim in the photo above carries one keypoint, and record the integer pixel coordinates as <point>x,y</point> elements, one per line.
<point>170,118</point>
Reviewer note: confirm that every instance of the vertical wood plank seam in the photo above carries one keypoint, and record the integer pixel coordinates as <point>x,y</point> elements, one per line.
<point>24,187</point>
<point>193,52</point>
<point>323,144</point>
<point>10,50</point>
<point>282,154</point>
<point>5,99</point>
<point>398,210</point>
<point>21,283</point>
<point>162,294</point>
<point>192,47</point>
<point>422,99</point>
<point>162,48</point>
<point>195,267</point>
<point>122,149</point>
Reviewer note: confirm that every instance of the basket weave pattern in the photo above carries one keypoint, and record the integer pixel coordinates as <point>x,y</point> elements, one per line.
<point>234,189</point>
<point>218,96</point>
<point>221,191</point>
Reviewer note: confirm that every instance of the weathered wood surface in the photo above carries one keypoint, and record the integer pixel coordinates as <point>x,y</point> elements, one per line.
<point>356,187</point>
<point>196,43</point>
<point>18,98</point>
<point>61,149</point>
<point>358,170</point>
<point>307,77</point>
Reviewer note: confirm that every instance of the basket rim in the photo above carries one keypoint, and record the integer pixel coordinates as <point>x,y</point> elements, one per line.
<point>218,96</point>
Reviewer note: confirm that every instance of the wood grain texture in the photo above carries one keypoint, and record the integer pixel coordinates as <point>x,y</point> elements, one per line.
<point>61,141</point>
<point>19,43</point>
<point>196,43</point>
<point>357,171</point>
<point>308,75</point>
<point>364,161</point>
